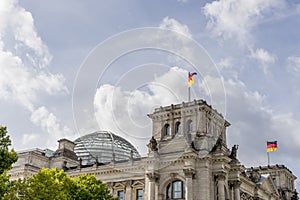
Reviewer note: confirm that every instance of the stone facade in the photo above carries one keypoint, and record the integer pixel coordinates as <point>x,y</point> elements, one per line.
<point>188,159</point>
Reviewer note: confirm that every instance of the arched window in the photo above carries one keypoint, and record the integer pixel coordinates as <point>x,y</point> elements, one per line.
<point>175,190</point>
<point>121,194</point>
<point>177,127</point>
<point>189,126</point>
<point>167,131</point>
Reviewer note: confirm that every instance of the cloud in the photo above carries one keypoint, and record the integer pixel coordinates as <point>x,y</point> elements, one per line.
<point>182,44</point>
<point>49,123</point>
<point>263,57</point>
<point>23,84</point>
<point>183,1</point>
<point>294,65</point>
<point>24,78</point>
<point>234,19</point>
<point>124,112</point>
<point>225,63</point>
<point>18,24</point>
<point>173,24</point>
<point>253,123</point>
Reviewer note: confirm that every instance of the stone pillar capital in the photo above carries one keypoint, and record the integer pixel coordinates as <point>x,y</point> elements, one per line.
<point>235,183</point>
<point>189,172</point>
<point>220,176</point>
<point>152,176</point>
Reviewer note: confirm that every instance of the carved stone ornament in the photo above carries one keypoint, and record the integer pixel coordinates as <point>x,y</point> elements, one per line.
<point>152,146</point>
<point>220,176</point>
<point>152,176</point>
<point>189,172</point>
<point>235,183</point>
<point>233,154</point>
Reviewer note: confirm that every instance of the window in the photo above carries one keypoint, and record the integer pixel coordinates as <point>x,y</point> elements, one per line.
<point>167,130</point>
<point>175,190</point>
<point>275,181</point>
<point>189,126</point>
<point>139,194</point>
<point>177,127</point>
<point>121,194</point>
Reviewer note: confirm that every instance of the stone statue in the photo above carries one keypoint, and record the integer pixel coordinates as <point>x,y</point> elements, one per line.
<point>233,154</point>
<point>152,146</point>
<point>295,196</point>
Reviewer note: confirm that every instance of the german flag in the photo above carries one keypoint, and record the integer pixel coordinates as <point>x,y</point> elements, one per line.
<point>191,79</point>
<point>271,146</point>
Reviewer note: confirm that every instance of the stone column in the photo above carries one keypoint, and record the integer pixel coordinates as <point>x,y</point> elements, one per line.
<point>128,190</point>
<point>221,186</point>
<point>153,177</point>
<point>235,185</point>
<point>189,174</point>
<point>172,125</point>
<point>109,186</point>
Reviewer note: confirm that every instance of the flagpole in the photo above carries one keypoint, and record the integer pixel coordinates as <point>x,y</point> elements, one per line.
<point>189,90</point>
<point>189,94</point>
<point>268,158</point>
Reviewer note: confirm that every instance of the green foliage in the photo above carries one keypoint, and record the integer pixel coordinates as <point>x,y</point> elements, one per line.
<point>7,157</point>
<point>54,184</point>
<point>48,184</point>
<point>5,184</point>
<point>17,190</point>
<point>88,187</point>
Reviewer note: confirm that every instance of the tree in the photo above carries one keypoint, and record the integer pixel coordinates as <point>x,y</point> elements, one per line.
<point>48,184</point>
<point>88,187</point>
<point>54,184</point>
<point>7,158</point>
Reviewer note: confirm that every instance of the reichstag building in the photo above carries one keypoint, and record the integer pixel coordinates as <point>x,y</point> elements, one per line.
<point>188,159</point>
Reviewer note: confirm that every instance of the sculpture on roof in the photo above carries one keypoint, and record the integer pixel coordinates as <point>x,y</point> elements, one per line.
<point>233,154</point>
<point>152,146</point>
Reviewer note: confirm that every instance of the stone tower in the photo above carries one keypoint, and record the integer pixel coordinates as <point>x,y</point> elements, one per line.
<point>192,135</point>
<point>195,123</point>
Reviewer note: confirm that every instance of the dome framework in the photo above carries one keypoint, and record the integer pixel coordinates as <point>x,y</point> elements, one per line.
<point>103,147</point>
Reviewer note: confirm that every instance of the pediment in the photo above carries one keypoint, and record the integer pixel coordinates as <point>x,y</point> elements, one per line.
<point>267,184</point>
<point>119,186</point>
<point>138,184</point>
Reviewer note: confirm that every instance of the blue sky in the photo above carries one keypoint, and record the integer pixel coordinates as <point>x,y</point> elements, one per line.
<point>254,44</point>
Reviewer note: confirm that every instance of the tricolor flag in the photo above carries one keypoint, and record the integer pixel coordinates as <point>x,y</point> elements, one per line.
<point>271,146</point>
<point>191,79</point>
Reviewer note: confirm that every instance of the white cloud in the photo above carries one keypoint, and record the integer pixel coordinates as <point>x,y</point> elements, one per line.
<point>298,8</point>
<point>263,57</point>
<point>294,65</point>
<point>225,63</point>
<point>23,61</point>
<point>183,1</point>
<point>22,84</point>
<point>235,18</point>
<point>18,24</point>
<point>253,123</point>
<point>173,24</point>
<point>182,44</point>
<point>124,112</point>
<point>49,123</point>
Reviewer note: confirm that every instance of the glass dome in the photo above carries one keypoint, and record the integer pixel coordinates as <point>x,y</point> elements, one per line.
<point>102,146</point>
